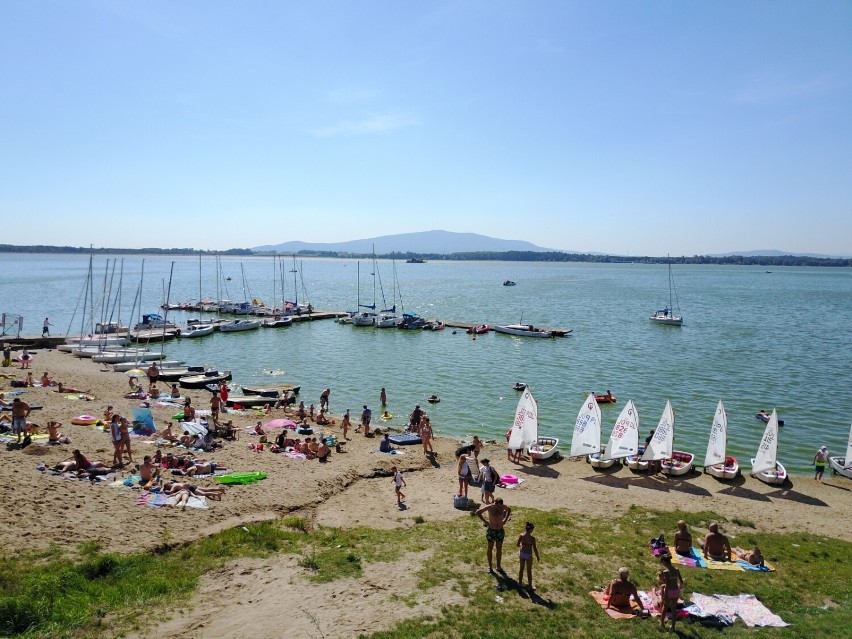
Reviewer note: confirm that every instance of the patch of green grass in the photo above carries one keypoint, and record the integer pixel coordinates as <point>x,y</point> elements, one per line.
<point>745,523</point>
<point>55,594</point>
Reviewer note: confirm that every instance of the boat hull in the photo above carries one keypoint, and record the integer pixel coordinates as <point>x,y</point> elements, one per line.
<point>774,478</point>
<point>595,460</point>
<point>272,391</point>
<point>522,330</point>
<point>667,320</point>
<point>250,401</point>
<point>727,471</point>
<point>200,381</point>
<point>679,464</point>
<point>132,356</point>
<point>635,462</point>
<point>277,323</point>
<point>838,466</point>
<point>544,448</point>
<point>240,325</point>
<point>196,331</point>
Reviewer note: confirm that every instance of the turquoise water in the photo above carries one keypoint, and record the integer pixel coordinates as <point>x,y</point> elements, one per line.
<point>752,338</point>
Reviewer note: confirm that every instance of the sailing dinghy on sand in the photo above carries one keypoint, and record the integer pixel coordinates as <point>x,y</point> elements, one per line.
<point>524,431</point>
<point>623,441</point>
<point>765,465</point>
<point>661,446</point>
<point>587,430</point>
<point>541,447</point>
<point>843,465</point>
<point>716,462</point>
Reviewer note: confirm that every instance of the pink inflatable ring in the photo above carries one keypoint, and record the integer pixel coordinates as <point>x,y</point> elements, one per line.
<point>508,479</point>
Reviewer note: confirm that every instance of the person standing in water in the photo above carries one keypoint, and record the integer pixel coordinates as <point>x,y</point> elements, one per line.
<point>383,398</point>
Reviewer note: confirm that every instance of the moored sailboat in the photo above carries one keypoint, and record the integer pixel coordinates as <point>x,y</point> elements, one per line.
<point>716,461</point>
<point>667,315</point>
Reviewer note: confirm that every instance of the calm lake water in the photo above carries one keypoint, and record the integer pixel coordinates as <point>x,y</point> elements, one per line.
<point>755,339</point>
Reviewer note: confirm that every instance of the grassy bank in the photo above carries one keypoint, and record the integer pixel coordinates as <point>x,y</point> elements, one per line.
<point>53,594</point>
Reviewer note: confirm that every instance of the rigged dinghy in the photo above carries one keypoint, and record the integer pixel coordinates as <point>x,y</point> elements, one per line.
<point>765,465</point>
<point>716,461</point>
<point>624,439</point>
<point>843,465</point>
<point>587,430</point>
<point>525,427</point>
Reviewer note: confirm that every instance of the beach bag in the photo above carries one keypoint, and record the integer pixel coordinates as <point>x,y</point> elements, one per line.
<point>657,543</point>
<point>16,383</point>
<point>460,502</point>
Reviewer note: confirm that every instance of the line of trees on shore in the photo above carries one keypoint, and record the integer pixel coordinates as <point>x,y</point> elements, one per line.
<point>504,256</point>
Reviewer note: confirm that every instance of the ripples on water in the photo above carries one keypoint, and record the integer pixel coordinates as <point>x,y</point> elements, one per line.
<point>754,339</point>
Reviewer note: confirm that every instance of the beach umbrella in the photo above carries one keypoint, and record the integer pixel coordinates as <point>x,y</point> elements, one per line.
<point>281,423</point>
<point>134,372</point>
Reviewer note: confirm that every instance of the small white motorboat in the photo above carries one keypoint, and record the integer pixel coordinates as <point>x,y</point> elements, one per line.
<point>524,330</point>
<point>200,381</point>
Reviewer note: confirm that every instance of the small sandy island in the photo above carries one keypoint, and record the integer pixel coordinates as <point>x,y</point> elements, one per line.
<point>353,488</point>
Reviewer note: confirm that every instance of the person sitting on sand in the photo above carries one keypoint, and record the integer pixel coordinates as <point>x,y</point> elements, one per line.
<point>133,384</point>
<point>753,557</point>
<point>188,411</point>
<point>148,473</point>
<point>385,445</point>
<point>619,591</point>
<point>167,433</point>
<point>302,413</point>
<point>683,539</point>
<point>322,420</point>
<point>46,381</point>
<point>258,430</point>
<point>53,434</point>
<point>323,451</point>
<point>175,392</point>
<point>214,492</point>
<point>305,450</point>
<point>313,447</point>
<point>108,414</point>
<point>716,545</point>
<point>153,391</point>
<point>158,458</point>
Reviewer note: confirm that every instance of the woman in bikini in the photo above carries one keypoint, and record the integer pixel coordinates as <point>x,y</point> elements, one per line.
<point>671,584</point>
<point>620,590</point>
<point>683,539</point>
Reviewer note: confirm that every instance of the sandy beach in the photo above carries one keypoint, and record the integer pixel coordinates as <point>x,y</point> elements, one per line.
<point>352,489</point>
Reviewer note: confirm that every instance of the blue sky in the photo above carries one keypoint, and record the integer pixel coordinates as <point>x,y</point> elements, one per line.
<point>619,127</point>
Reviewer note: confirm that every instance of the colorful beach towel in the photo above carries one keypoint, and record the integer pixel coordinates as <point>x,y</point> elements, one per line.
<point>696,560</point>
<point>633,612</point>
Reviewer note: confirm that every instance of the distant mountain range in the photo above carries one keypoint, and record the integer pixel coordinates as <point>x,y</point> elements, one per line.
<point>774,253</point>
<point>424,242</point>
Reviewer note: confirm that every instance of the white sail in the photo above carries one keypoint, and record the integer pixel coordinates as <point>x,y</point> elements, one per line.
<point>525,429</point>
<point>661,445</point>
<point>848,460</point>
<point>767,454</point>
<point>718,437</point>
<point>587,429</point>
<point>624,440</point>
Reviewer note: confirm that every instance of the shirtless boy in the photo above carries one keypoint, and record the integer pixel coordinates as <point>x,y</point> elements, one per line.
<point>495,532</point>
